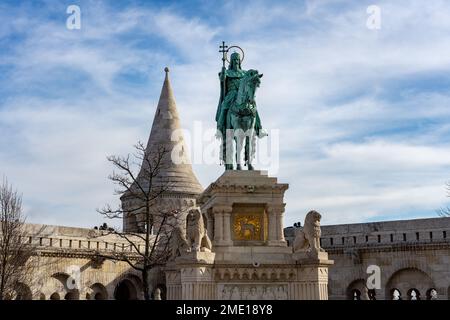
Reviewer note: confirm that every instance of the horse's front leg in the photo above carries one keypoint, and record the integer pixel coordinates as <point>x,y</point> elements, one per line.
<point>250,142</point>
<point>248,153</point>
<point>227,146</point>
<point>239,142</point>
<point>228,153</point>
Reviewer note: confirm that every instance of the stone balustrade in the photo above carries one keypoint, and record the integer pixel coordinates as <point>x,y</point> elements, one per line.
<point>411,232</point>
<point>48,238</point>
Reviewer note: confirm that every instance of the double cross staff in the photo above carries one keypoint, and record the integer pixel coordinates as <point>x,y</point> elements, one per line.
<point>224,51</point>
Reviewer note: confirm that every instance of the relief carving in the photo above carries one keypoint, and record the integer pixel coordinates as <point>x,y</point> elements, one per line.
<point>247,227</point>
<point>253,292</point>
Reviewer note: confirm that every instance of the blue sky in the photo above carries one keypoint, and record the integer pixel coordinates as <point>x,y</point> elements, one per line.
<point>363,114</point>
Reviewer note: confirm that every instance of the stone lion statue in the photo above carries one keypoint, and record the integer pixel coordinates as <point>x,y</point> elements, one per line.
<point>179,243</point>
<point>308,237</point>
<point>196,235</point>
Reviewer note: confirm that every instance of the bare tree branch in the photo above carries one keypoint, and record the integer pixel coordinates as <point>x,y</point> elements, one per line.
<point>15,250</point>
<point>141,191</point>
<point>445,212</point>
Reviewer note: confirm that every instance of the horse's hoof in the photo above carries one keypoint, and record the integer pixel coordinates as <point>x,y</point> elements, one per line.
<point>250,167</point>
<point>238,167</point>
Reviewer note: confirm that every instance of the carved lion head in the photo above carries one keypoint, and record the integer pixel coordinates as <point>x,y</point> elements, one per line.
<point>313,217</point>
<point>194,215</point>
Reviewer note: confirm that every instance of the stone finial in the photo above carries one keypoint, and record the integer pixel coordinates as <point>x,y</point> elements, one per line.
<point>178,172</point>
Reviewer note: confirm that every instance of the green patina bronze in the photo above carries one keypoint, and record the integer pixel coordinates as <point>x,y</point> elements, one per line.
<point>237,116</point>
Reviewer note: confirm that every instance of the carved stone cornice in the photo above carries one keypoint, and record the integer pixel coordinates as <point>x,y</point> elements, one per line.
<point>250,188</point>
<point>217,188</point>
<point>80,254</point>
<point>261,273</point>
<point>394,247</point>
<point>222,209</point>
<point>276,208</point>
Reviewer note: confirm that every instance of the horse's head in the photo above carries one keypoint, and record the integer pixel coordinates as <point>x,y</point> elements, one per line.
<point>247,88</point>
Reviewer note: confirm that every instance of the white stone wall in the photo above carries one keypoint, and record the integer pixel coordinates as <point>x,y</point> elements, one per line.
<point>65,265</point>
<point>411,254</point>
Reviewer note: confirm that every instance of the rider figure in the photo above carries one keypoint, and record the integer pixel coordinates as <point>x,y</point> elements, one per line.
<point>229,84</point>
<point>232,77</point>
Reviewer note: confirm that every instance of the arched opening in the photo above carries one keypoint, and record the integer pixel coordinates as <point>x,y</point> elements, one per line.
<point>22,292</point>
<point>432,294</point>
<point>72,295</point>
<point>356,289</point>
<point>125,290</point>
<point>67,285</point>
<point>41,296</point>
<point>99,292</point>
<point>372,294</point>
<point>356,294</point>
<point>99,296</point>
<point>410,282</point>
<point>162,292</point>
<point>413,294</point>
<point>395,294</point>
<point>55,296</point>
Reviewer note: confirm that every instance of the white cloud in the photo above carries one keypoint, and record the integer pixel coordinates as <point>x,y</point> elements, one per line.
<point>328,85</point>
<point>390,155</point>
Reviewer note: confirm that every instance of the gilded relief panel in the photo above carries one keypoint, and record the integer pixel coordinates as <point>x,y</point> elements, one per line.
<point>249,223</point>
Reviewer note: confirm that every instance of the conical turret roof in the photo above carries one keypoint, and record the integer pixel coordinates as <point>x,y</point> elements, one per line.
<point>166,132</point>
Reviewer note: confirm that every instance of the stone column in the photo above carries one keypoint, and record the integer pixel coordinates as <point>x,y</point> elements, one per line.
<point>311,282</point>
<point>218,226</point>
<point>210,226</point>
<point>310,290</point>
<point>227,225</point>
<point>174,287</point>
<point>280,233</point>
<point>197,276</point>
<point>280,229</point>
<point>272,225</point>
<point>276,234</point>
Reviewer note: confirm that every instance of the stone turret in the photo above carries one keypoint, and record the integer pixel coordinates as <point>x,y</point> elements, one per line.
<point>176,170</point>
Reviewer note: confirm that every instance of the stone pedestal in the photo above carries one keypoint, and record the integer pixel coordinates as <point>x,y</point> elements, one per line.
<point>190,277</point>
<point>246,208</point>
<point>250,258</point>
<point>312,280</point>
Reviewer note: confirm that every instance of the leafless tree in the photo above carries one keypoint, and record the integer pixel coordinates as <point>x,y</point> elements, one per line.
<point>151,243</point>
<point>15,249</point>
<point>445,212</point>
